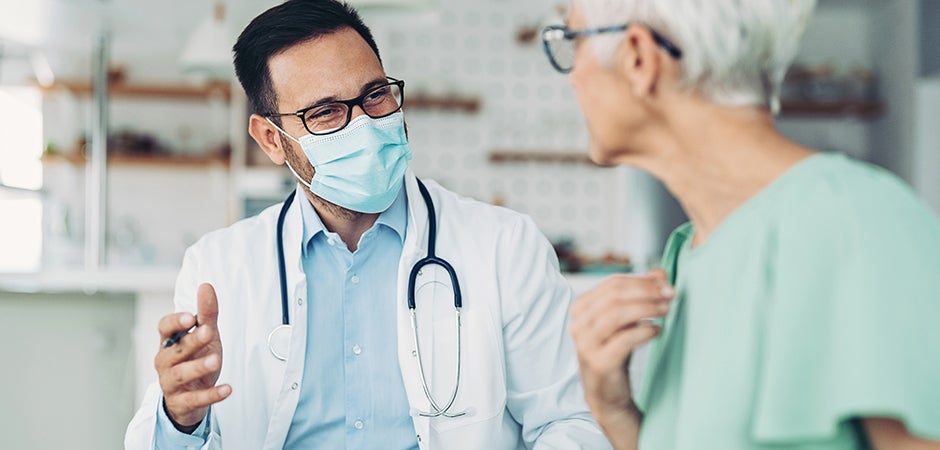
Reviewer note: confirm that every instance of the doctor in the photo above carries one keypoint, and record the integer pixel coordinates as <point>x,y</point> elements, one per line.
<point>335,333</point>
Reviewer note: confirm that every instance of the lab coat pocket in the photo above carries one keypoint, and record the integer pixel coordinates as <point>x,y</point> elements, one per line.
<point>481,393</point>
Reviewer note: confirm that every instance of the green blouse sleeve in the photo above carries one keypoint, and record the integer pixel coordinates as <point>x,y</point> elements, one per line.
<point>852,327</point>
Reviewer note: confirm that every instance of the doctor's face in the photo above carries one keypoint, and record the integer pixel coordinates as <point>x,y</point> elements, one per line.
<point>335,66</point>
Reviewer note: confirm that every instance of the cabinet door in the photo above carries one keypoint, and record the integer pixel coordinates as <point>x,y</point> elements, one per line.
<point>68,372</point>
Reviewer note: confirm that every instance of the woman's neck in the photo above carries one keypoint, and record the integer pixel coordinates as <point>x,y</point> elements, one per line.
<point>714,159</point>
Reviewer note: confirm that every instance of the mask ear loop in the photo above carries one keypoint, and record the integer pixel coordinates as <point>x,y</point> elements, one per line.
<point>286,161</point>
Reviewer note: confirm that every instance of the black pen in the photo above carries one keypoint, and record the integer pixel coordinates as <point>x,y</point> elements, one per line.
<point>175,337</point>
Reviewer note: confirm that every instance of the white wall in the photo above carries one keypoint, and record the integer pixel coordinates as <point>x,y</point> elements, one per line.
<point>927,141</point>
<point>895,55</point>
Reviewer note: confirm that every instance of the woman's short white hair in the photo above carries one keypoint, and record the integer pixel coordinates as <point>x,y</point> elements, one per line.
<point>734,52</point>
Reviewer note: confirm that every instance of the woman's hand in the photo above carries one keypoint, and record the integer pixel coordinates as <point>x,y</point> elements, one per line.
<point>608,323</point>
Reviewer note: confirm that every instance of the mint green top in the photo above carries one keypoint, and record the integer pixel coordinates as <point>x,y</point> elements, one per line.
<point>815,302</point>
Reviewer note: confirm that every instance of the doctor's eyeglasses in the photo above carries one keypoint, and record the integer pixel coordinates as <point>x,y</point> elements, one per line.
<point>559,43</point>
<point>330,117</point>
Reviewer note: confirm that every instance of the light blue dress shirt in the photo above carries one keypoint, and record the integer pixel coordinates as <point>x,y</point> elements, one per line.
<point>352,394</point>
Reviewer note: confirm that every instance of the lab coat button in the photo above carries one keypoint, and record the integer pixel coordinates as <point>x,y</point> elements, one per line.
<point>293,387</point>
<point>300,301</point>
<point>357,349</point>
<point>414,353</point>
<point>419,438</point>
<point>359,425</point>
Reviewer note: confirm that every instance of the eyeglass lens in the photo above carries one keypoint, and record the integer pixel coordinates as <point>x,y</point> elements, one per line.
<point>377,103</point>
<point>560,49</point>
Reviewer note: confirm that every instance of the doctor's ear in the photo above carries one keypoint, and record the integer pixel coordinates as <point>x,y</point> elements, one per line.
<point>268,138</point>
<point>639,60</point>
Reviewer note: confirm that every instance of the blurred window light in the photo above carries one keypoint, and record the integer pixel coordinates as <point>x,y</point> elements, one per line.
<point>21,128</point>
<point>20,179</point>
<point>22,21</point>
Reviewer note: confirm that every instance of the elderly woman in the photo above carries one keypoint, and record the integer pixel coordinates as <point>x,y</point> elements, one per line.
<point>800,308</point>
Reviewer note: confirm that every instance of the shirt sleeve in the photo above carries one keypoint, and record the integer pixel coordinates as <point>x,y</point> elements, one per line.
<point>167,437</point>
<point>851,326</point>
<point>544,392</point>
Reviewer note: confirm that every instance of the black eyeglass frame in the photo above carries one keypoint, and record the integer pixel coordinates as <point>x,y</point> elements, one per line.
<point>350,104</point>
<point>567,34</point>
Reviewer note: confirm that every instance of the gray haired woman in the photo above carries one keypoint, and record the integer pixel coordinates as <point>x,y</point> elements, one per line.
<point>799,308</point>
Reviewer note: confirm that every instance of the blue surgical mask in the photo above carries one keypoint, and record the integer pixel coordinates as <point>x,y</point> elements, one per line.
<point>360,167</point>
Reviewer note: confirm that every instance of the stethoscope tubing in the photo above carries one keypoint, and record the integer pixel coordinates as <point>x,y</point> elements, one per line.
<point>430,259</point>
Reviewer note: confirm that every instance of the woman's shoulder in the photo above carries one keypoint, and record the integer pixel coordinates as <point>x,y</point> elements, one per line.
<point>833,193</point>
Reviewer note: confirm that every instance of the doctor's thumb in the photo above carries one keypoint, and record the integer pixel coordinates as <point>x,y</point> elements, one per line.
<point>207,304</point>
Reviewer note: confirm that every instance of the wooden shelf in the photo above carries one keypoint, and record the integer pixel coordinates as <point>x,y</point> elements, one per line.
<point>863,109</point>
<point>174,91</point>
<point>131,159</point>
<point>464,104</point>
<point>500,156</point>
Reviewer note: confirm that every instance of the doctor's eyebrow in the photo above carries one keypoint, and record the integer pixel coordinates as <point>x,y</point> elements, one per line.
<point>365,88</point>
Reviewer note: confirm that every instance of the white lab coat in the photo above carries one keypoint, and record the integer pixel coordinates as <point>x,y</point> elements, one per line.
<point>519,374</point>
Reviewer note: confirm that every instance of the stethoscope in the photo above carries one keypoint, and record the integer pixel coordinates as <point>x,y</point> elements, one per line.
<point>280,333</point>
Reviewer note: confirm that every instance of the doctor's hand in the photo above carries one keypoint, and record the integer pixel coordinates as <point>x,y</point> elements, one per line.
<point>189,369</point>
<point>608,323</point>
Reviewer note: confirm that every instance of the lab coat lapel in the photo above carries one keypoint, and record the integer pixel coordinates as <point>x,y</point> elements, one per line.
<point>415,248</point>
<point>287,398</point>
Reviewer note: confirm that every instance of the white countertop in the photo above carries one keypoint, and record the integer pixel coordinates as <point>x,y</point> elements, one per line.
<point>152,279</point>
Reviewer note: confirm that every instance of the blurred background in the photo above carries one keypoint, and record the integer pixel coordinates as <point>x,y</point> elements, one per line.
<point>90,245</point>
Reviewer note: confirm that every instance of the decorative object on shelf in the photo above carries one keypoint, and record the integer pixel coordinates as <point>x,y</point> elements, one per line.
<point>822,90</point>
<point>571,261</point>
<point>528,34</point>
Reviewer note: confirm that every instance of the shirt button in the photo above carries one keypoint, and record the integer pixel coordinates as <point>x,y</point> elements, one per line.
<point>354,279</point>
<point>359,425</point>
<point>357,349</point>
<point>331,241</point>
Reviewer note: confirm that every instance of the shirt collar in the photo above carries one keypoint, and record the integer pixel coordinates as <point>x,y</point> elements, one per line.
<point>395,217</point>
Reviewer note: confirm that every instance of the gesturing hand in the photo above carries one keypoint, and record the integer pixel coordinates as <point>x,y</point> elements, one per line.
<point>189,369</point>
<point>608,323</point>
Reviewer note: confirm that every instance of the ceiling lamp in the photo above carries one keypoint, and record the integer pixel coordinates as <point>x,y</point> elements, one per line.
<point>208,51</point>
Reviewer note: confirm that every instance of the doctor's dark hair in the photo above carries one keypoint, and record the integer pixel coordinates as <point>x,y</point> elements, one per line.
<point>280,28</point>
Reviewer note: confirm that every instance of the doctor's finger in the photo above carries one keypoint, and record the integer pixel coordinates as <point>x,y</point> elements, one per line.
<point>183,350</point>
<point>171,323</point>
<point>199,399</point>
<point>180,377</point>
<point>208,304</point>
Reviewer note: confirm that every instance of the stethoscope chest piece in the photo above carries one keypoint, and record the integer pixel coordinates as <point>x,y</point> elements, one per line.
<point>279,342</point>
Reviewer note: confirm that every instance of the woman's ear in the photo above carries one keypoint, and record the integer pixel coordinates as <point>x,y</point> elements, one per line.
<point>268,138</point>
<point>638,60</point>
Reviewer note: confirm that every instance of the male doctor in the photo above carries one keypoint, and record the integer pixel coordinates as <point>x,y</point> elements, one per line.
<point>335,363</point>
